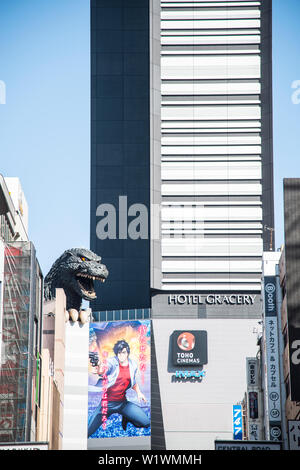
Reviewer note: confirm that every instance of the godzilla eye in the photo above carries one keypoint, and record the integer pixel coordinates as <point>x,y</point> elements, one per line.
<point>82,258</point>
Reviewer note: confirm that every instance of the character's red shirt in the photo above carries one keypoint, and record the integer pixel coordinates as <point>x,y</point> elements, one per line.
<point>117,391</point>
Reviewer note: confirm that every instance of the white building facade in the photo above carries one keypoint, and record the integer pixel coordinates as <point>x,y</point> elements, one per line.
<point>211,147</point>
<point>216,210</point>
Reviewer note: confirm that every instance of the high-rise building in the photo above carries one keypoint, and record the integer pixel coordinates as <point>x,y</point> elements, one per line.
<point>216,180</point>
<point>216,153</point>
<point>289,274</point>
<point>182,193</point>
<point>125,152</point>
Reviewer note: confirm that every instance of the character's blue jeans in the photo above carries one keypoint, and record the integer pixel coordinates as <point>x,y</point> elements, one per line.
<point>129,410</point>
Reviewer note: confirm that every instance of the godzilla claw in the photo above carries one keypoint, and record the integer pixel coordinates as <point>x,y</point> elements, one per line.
<point>73,314</point>
<point>84,316</point>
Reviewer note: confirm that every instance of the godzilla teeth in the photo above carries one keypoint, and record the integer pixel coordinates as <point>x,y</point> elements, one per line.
<point>89,292</point>
<point>94,278</point>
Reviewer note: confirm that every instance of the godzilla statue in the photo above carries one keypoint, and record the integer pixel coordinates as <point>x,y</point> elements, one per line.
<point>75,271</point>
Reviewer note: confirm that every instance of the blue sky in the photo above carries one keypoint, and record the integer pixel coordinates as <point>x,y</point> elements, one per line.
<point>286,115</point>
<point>45,123</point>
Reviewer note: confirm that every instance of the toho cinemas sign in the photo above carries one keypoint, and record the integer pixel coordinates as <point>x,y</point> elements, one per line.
<point>188,353</point>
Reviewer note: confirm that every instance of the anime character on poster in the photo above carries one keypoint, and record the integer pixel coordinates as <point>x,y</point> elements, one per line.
<point>116,376</point>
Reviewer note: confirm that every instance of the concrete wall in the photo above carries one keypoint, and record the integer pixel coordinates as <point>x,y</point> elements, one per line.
<point>195,414</point>
<point>76,386</point>
<point>46,430</point>
<point>21,206</point>
<point>206,305</point>
<point>53,381</point>
<point>66,346</point>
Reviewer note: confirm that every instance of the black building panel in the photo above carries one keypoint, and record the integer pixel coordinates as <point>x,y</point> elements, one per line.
<point>292,260</point>
<point>120,152</point>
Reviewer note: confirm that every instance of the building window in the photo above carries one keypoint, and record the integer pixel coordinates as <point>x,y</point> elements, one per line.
<point>122,315</point>
<point>102,316</point>
<point>132,315</point>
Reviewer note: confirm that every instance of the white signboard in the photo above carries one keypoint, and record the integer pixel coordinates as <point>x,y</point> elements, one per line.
<point>272,356</point>
<point>252,372</point>
<point>273,369</point>
<point>254,431</point>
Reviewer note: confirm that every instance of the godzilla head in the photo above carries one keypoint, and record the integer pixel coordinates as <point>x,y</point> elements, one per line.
<point>75,271</point>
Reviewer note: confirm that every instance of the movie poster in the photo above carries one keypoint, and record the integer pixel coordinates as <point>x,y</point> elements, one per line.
<point>119,379</point>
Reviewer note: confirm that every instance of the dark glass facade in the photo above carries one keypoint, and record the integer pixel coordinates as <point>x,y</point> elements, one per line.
<point>292,279</point>
<point>120,152</point>
<point>122,315</point>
